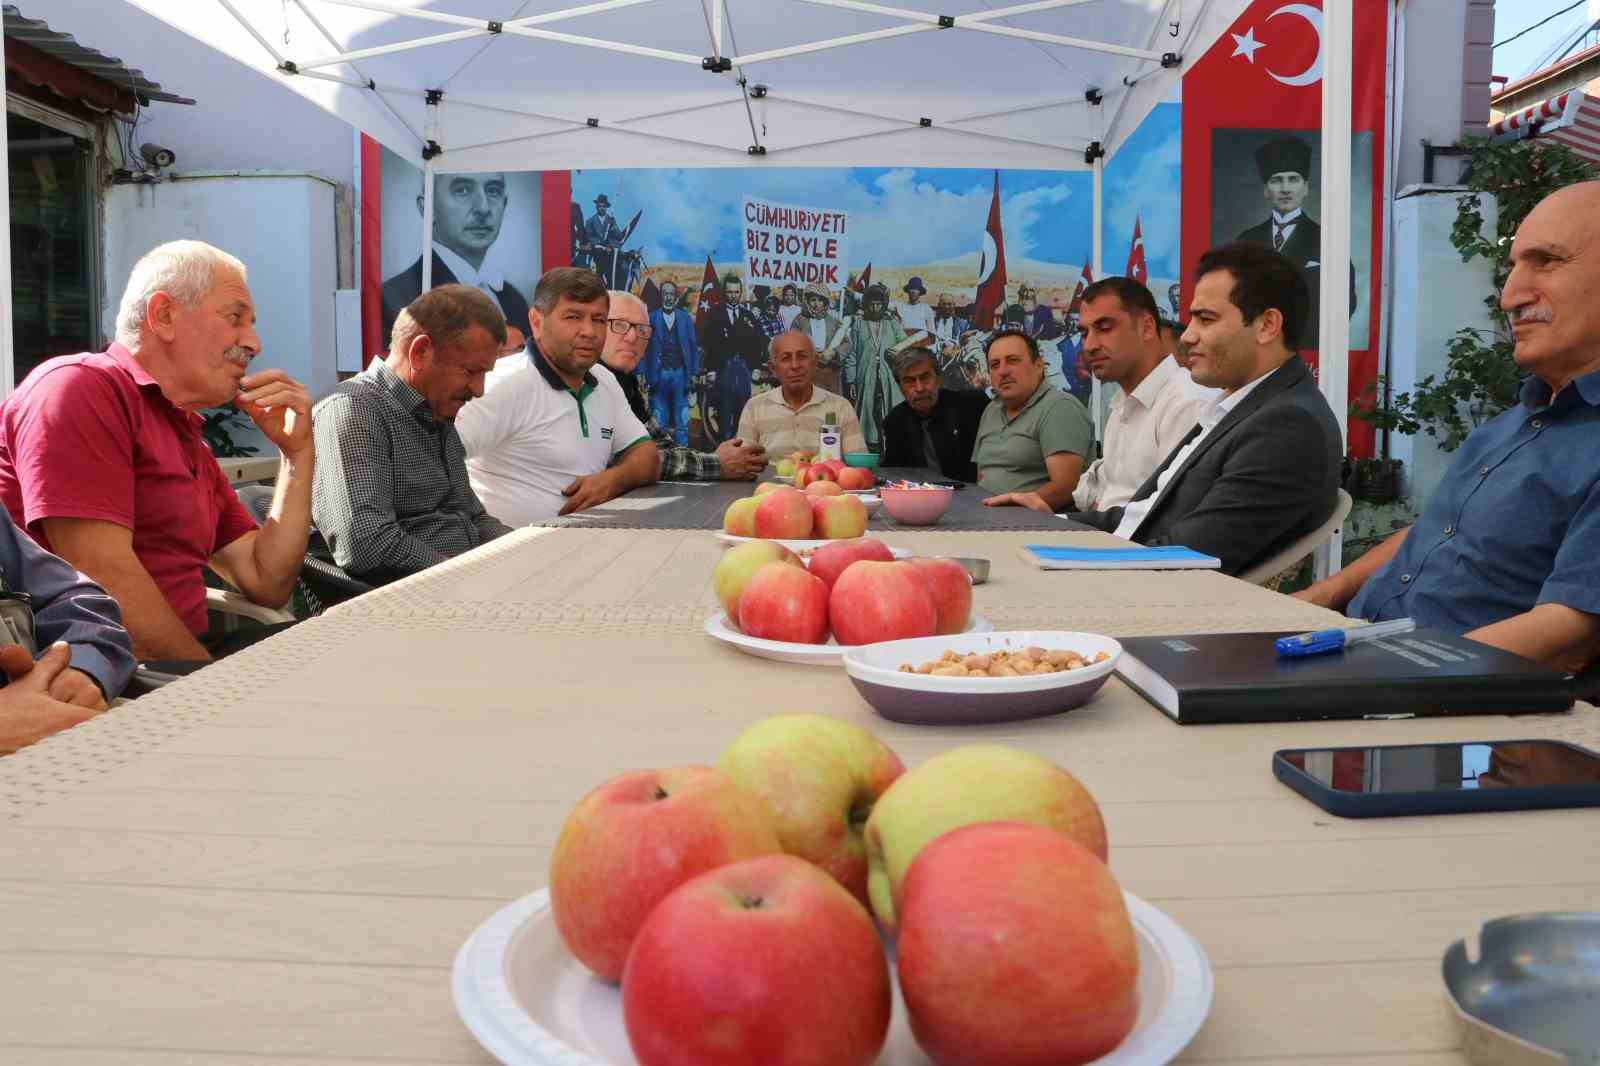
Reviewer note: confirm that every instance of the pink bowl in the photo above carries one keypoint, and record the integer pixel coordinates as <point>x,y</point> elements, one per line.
<point>916,507</point>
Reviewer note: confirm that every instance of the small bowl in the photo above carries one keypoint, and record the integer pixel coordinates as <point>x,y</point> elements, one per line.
<point>916,507</point>
<point>922,699</point>
<point>977,569</point>
<point>869,460</point>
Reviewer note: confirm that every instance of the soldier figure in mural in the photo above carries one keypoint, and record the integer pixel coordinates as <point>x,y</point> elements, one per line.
<point>868,380</point>
<point>1284,164</point>
<point>817,321</point>
<point>1034,318</point>
<point>597,244</point>
<point>671,363</point>
<point>732,342</point>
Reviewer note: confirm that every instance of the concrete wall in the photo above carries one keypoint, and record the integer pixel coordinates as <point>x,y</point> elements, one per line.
<point>1448,52</point>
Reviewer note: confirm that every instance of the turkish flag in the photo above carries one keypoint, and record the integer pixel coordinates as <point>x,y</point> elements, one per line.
<point>991,267</point>
<point>710,293</point>
<point>1085,279</point>
<point>1265,74</point>
<point>651,294</point>
<point>865,279</point>
<point>1136,268</point>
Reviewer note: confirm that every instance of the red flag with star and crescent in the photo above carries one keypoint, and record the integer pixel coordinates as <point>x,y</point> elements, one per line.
<point>1085,279</point>
<point>710,293</point>
<point>1261,79</point>
<point>1136,267</point>
<point>991,267</point>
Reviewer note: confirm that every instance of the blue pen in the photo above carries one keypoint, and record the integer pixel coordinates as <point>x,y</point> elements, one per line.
<point>1329,640</point>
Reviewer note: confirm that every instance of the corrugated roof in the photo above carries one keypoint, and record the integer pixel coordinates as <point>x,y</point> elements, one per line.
<point>63,47</point>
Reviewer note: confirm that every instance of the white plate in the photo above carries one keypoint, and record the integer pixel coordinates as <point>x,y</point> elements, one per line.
<point>530,1003</point>
<point>829,654</point>
<point>806,546</point>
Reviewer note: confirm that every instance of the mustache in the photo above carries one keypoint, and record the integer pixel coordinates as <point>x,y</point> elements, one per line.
<point>1519,315</point>
<point>239,356</point>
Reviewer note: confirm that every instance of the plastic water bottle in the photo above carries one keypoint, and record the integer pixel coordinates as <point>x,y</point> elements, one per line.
<point>828,441</point>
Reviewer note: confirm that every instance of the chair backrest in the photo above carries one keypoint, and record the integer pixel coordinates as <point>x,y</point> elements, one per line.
<point>323,582</point>
<point>1265,571</point>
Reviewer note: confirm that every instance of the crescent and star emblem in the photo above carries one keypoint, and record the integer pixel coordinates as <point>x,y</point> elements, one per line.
<point>1246,45</point>
<point>987,260</point>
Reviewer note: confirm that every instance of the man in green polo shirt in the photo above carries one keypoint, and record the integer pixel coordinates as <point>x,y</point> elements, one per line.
<point>1032,437</point>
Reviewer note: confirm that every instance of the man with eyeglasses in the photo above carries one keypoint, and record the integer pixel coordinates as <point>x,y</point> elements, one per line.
<point>671,362</point>
<point>553,433</point>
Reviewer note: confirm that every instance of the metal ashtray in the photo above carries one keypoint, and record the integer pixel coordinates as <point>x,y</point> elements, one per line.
<point>977,569</point>
<point>1532,998</point>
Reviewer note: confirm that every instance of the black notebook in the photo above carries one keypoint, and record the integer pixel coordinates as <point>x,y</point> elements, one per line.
<point>1238,677</point>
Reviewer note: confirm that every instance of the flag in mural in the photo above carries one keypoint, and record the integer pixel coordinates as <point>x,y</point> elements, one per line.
<point>1085,279</point>
<point>1252,169</point>
<point>710,294</point>
<point>991,266</point>
<point>1136,268</point>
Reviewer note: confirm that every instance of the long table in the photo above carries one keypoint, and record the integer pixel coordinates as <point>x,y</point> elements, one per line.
<point>275,859</point>
<point>700,505</point>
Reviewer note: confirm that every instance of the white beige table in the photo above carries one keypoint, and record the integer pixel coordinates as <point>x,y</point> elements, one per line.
<point>275,860</point>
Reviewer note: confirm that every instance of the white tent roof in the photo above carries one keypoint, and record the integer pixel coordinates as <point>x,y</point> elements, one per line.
<point>623,83</point>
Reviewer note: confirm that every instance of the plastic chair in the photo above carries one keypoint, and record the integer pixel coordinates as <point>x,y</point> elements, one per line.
<point>1301,547</point>
<point>323,582</point>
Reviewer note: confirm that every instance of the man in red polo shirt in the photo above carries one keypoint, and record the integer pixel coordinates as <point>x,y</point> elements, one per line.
<point>102,459</point>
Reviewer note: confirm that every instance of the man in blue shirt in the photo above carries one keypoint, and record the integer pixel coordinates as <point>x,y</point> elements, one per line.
<point>1508,549</point>
<point>671,363</point>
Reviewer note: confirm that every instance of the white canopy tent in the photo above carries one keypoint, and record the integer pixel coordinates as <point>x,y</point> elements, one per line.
<point>472,85</point>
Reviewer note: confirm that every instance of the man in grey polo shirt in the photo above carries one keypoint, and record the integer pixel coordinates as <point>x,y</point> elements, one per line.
<point>1032,437</point>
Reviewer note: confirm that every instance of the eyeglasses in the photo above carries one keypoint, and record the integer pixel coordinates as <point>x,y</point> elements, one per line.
<point>621,327</point>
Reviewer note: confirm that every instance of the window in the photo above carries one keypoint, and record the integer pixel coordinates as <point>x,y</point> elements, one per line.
<point>53,291</point>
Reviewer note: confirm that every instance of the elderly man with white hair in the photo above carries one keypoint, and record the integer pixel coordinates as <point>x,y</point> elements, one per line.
<point>103,462</point>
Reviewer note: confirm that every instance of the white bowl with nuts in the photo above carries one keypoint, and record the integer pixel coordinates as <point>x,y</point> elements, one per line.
<point>981,677</point>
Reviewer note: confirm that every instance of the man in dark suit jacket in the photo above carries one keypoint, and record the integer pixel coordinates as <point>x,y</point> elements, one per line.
<point>946,419</point>
<point>732,343</point>
<point>400,290</point>
<point>1284,164</point>
<point>1262,467</point>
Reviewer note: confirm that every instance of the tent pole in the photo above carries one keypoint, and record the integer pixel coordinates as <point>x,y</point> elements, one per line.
<point>1099,272</point>
<point>430,138</point>
<point>8,365</point>
<point>1333,357</point>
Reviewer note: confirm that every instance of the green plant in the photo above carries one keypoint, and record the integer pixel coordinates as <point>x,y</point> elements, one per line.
<point>1481,379</point>
<point>216,428</point>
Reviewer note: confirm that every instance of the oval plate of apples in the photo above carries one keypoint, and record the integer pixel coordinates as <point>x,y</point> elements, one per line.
<point>777,606</point>
<point>714,916</point>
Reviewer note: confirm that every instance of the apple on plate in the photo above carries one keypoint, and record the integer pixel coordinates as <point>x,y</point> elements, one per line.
<point>766,487</point>
<point>823,488</point>
<point>833,559</point>
<point>1015,949</point>
<point>785,468</point>
<point>951,588</point>
<point>739,564</point>
<point>782,602</point>
<point>853,478</point>
<point>810,475</point>
<point>740,517</point>
<point>633,840</point>
<point>975,783</point>
<point>820,777</point>
<point>763,963</point>
<point>874,601</point>
<point>841,517</point>
<point>784,514</point>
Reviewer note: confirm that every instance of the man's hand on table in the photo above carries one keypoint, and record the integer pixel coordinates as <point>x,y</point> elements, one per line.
<point>29,711</point>
<point>1031,500</point>
<point>591,490</point>
<point>741,461</point>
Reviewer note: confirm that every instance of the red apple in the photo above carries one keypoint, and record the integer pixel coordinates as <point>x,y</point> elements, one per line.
<point>856,477</point>
<point>823,488</point>
<point>831,560</point>
<point>834,466</point>
<point>872,601</point>
<point>802,471</point>
<point>636,838</point>
<point>763,963</point>
<point>739,564</point>
<point>784,514</point>
<point>841,517</point>
<point>951,589</point>
<point>817,503</point>
<point>784,603</point>
<point>740,517</point>
<point>768,486</point>
<point>1015,949</point>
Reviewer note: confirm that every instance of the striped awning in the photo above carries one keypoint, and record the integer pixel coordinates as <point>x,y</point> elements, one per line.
<point>1573,118</point>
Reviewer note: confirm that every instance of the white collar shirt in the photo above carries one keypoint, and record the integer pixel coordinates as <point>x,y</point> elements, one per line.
<point>1145,425</point>
<point>1209,417</point>
<point>1285,224</point>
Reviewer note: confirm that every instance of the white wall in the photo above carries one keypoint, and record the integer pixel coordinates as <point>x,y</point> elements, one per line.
<point>1448,49</point>
<point>283,229</point>
<point>241,120</point>
<point>1435,295</point>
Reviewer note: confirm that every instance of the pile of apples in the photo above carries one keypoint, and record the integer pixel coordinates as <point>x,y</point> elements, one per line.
<point>853,589</point>
<point>735,904</point>
<point>824,511</point>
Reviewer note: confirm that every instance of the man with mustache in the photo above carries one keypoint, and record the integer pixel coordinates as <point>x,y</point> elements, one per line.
<point>103,462</point>
<point>1507,549</point>
<point>468,210</point>
<point>1033,439</point>
<point>553,433</point>
<point>391,494</point>
<point>671,363</point>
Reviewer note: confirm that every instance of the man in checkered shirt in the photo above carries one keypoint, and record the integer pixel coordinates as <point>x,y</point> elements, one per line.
<point>628,333</point>
<point>391,495</point>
